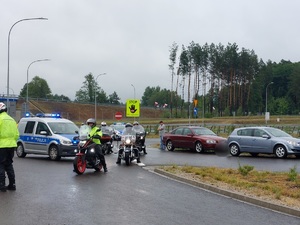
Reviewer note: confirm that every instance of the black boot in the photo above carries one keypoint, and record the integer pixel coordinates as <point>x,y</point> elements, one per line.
<point>11,187</point>
<point>2,187</point>
<point>118,161</point>
<point>105,168</point>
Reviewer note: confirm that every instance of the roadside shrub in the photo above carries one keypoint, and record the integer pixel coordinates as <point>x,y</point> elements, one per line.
<point>244,170</point>
<point>293,174</point>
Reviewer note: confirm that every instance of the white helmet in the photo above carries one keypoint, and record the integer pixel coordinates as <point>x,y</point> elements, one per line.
<point>91,120</point>
<point>3,107</point>
<point>103,123</point>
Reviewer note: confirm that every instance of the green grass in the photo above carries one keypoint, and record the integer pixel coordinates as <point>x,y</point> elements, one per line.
<point>274,186</point>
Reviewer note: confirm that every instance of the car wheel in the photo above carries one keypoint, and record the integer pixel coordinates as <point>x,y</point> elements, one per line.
<point>169,146</point>
<point>53,153</point>
<point>20,151</point>
<point>280,151</point>
<point>234,150</point>
<point>199,147</point>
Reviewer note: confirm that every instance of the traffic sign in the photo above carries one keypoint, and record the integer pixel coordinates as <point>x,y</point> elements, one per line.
<point>132,108</point>
<point>118,115</point>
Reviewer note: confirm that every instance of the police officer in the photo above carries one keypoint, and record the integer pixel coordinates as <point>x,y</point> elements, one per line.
<point>95,130</point>
<point>9,135</point>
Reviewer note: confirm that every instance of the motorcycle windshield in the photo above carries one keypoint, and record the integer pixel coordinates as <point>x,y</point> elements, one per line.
<point>84,131</point>
<point>129,131</point>
<point>138,129</point>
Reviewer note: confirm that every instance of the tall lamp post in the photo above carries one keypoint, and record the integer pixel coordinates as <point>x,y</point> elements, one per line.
<point>40,60</point>
<point>267,114</point>
<point>133,91</point>
<point>40,18</point>
<point>102,74</point>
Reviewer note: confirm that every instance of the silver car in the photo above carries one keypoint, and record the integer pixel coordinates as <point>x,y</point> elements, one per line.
<point>267,140</point>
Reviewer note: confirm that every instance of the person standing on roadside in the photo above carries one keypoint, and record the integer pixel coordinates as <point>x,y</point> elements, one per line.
<point>161,131</point>
<point>9,135</point>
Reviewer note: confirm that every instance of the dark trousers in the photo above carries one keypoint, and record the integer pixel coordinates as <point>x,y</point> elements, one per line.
<point>100,154</point>
<point>6,165</point>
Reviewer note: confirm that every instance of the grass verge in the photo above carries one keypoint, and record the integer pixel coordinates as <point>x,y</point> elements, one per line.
<point>282,188</point>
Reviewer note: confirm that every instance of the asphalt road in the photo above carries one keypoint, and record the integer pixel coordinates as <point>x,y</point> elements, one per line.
<point>51,193</point>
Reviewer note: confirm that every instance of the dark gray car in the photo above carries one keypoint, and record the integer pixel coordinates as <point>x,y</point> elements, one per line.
<point>267,140</point>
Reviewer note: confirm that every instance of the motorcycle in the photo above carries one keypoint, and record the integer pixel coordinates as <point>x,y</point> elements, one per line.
<point>140,139</point>
<point>128,151</point>
<point>86,157</point>
<point>106,141</point>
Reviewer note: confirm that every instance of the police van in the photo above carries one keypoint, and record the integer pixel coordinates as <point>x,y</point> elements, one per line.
<point>47,134</point>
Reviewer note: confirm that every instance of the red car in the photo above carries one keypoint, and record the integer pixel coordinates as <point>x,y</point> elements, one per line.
<point>195,138</point>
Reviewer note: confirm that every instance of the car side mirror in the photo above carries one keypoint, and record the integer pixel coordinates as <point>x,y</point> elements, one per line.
<point>266,136</point>
<point>43,132</point>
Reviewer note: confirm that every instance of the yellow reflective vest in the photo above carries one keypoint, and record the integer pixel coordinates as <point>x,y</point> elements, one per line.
<point>9,133</point>
<point>93,132</point>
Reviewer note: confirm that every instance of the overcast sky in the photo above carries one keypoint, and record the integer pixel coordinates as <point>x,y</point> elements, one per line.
<point>129,40</point>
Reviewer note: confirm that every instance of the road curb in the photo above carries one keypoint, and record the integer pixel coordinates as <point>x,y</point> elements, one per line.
<point>255,201</point>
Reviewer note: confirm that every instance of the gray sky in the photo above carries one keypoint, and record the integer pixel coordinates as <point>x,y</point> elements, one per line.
<point>130,39</point>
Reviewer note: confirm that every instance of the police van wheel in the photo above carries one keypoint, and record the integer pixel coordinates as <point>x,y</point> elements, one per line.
<point>53,153</point>
<point>20,151</point>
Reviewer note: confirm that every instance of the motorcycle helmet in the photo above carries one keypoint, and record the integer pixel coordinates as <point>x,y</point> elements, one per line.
<point>103,123</point>
<point>135,123</point>
<point>2,107</point>
<point>128,125</point>
<point>91,121</point>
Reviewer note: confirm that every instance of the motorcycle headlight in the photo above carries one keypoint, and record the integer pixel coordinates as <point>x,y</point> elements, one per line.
<point>81,143</point>
<point>92,150</point>
<point>127,141</point>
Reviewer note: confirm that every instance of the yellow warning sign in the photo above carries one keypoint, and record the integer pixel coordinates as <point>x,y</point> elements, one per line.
<point>133,108</point>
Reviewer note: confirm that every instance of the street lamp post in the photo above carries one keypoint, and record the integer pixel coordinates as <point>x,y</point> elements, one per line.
<point>8,48</point>
<point>102,74</point>
<point>133,91</point>
<point>40,60</point>
<point>266,116</point>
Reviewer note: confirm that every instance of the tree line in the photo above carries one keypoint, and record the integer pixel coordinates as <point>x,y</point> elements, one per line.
<point>208,80</point>
<point>223,80</point>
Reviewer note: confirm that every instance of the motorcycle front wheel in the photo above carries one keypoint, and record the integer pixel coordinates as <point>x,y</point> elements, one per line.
<point>127,158</point>
<point>79,165</point>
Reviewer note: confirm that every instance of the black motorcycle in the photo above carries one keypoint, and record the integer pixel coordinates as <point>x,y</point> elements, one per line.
<point>140,138</point>
<point>106,141</point>
<point>86,157</point>
<point>128,151</point>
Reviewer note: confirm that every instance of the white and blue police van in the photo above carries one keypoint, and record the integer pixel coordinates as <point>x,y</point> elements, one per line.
<point>47,134</point>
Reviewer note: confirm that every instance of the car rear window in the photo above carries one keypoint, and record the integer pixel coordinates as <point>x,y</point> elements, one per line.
<point>244,132</point>
<point>29,127</point>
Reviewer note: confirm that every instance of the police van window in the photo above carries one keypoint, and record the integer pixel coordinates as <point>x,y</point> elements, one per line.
<point>41,127</point>
<point>29,127</point>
